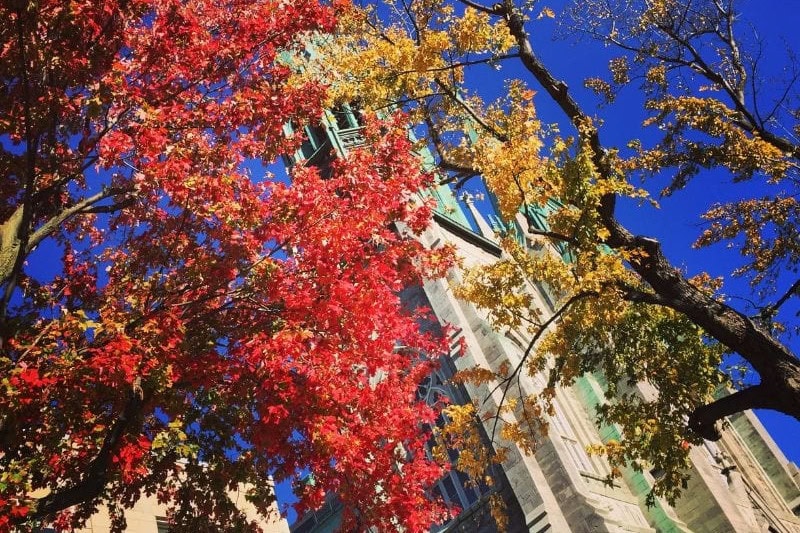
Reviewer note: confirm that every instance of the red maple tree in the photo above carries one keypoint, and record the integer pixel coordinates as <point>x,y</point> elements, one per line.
<point>172,324</point>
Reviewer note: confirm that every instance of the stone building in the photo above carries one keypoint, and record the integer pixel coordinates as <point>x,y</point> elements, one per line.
<point>149,515</point>
<point>742,483</point>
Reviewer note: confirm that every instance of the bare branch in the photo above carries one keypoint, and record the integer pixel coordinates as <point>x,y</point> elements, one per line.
<point>551,235</point>
<point>771,310</point>
<point>703,420</point>
<point>461,64</point>
<point>508,380</point>
<point>449,91</point>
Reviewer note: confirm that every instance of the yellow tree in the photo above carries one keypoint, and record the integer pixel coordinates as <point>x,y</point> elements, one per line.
<point>622,307</point>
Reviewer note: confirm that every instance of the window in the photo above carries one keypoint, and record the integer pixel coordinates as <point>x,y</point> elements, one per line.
<point>162,524</point>
<point>349,121</point>
<point>455,487</point>
<point>657,473</point>
<point>574,448</point>
<point>344,118</point>
<point>348,116</point>
<point>315,138</point>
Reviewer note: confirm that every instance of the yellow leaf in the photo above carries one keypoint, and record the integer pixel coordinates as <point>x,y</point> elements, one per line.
<point>546,12</point>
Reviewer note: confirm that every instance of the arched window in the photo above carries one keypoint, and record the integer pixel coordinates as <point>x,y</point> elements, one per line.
<point>455,488</point>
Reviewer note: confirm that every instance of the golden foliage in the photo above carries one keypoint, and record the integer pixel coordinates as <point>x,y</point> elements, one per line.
<point>619,70</point>
<point>497,508</point>
<point>723,143</point>
<point>475,32</point>
<point>462,432</point>
<point>601,88</point>
<point>475,375</point>
<point>768,228</point>
<point>419,61</point>
<point>510,165</point>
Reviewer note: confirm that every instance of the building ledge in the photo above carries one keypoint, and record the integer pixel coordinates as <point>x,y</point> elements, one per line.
<point>468,234</point>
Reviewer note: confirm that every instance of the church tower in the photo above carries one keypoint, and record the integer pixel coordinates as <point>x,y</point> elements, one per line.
<point>743,483</point>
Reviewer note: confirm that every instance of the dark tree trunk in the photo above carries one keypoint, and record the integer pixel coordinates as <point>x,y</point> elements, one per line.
<point>777,366</point>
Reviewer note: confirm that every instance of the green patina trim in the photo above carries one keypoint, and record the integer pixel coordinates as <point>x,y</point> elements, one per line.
<point>446,203</point>
<point>588,388</point>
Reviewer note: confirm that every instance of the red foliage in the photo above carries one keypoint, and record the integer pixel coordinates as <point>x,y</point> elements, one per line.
<point>247,328</point>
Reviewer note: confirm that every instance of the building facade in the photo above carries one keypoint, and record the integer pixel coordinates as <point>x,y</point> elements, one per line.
<point>148,515</point>
<point>742,483</point>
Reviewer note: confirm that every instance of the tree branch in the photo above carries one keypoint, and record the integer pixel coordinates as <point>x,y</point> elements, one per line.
<point>81,207</point>
<point>775,363</point>
<point>462,64</point>
<point>703,420</point>
<point>96,478</point>
<point>449,91</point>
<point>507,381</point>
<point>23,223</point>
<point>494,10</point>
<point>635,295</point>
<point>550,235</point>
<point>770,310</point>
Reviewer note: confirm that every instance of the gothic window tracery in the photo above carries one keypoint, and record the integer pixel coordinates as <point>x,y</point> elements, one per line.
<point>455,488</point>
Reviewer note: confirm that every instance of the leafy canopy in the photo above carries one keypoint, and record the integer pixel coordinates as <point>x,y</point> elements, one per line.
<point>173,320</point>
<point>621,307</point>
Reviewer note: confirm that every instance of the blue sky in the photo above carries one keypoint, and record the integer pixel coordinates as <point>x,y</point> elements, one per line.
<point>677,222</point>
